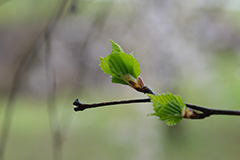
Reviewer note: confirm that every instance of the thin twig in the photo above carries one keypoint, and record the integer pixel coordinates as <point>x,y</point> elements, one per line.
<point>205,112</point>
<point>78,106</point>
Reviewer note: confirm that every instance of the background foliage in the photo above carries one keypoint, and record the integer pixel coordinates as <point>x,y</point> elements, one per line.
<point>189,48</point>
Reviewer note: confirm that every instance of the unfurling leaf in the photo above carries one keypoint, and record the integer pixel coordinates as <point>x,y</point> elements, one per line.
<point>123,67</point>
<point>168,107</point>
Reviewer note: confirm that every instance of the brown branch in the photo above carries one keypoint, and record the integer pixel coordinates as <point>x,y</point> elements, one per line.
<point>204,112</point>
<point>196,112</point>
<point>78,106</point>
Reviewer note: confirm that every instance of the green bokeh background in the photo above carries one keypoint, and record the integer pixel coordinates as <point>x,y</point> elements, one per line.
<point>187,48</point>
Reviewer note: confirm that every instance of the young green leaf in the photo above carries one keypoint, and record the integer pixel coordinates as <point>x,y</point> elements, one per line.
<point>168,107</point>
<point>116,48</point>
<point>122,67</point>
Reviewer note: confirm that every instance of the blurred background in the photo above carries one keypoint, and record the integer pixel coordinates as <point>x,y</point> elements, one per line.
<point>49,56</point>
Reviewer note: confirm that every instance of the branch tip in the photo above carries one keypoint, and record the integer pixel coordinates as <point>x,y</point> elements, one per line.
<point>77,105</point>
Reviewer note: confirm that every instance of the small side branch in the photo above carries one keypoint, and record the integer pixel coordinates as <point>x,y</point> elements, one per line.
<point>78,106</point>
<point>199,111</point>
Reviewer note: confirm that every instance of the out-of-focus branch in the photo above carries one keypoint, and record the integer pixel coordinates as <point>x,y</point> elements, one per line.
<point>51,83</point>
<point>52,110</point>
<point>73,6</point>
<point>18,77</point>
<point>82,53</point>
<point>7,120</point>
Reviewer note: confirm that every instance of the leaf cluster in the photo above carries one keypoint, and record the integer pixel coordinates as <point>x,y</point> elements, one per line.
<point>125,69</point>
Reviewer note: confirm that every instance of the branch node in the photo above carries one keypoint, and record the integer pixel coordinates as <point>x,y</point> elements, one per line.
<point>145,90</point>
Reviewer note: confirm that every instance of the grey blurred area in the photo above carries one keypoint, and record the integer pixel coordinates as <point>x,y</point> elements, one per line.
<point>165,36</point>
<point>173,35</point>
<point>186,47</point>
